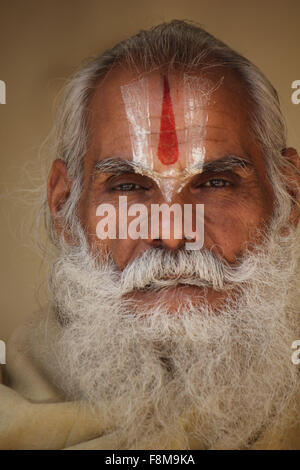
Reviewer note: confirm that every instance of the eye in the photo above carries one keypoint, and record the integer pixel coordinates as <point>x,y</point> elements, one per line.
<point>217,183</point>
<point>128,187</point>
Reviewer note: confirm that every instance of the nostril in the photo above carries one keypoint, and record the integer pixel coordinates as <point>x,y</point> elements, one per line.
<point>157,242</point>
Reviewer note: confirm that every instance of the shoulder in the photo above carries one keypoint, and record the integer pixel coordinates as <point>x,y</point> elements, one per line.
<point>26,358</point>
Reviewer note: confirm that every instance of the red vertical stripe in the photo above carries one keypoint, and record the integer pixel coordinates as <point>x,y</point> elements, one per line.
<point>168,144</point>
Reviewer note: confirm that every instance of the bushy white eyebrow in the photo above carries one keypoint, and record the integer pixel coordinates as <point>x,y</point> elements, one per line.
<point>118,166</point>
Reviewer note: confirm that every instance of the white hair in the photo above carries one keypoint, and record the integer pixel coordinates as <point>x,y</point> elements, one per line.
<point>225,370</point>
<point>176,45</point>
<point>202,377</point>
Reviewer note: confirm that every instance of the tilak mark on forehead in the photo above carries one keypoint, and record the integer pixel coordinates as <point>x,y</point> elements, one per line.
<point>167,151</point>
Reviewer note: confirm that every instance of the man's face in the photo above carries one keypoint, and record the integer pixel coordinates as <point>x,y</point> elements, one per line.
<point>198,365</point>
<point>237,200</point>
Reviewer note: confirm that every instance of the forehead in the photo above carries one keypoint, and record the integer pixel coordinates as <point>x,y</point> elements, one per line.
<point>221,106</point>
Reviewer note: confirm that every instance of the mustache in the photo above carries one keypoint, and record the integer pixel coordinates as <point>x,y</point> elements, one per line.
<point>159,267</point>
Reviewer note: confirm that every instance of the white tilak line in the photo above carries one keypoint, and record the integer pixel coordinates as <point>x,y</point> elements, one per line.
<point>196,99</point>
<point>136,100</point>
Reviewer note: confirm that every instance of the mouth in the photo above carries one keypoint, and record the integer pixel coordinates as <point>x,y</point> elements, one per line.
<point>176,299</point>
<point>174,283</point>
<point>169,293</point>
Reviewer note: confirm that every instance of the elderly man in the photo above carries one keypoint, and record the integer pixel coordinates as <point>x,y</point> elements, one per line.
<point>154,340</point>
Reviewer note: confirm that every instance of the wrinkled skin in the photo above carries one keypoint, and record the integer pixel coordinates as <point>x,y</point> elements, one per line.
<point>237,202</point>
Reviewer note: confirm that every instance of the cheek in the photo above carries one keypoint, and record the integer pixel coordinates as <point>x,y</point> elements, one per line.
<point>230,224</point>
<point>122,250</point>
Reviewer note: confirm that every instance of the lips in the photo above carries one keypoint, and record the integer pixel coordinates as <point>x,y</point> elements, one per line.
<point>174,281</point>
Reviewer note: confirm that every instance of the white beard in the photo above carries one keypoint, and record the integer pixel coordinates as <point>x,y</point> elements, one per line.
<point>212,378</point>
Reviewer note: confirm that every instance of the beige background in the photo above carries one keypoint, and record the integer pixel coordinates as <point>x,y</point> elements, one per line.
<point>42,41</point>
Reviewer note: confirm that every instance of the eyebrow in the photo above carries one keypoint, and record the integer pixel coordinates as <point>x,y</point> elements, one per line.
<point>225,163</point>
<point>117,166</point>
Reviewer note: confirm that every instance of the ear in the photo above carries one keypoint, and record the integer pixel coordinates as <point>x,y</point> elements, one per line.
<point>292,176</point>
<point>59,187</point>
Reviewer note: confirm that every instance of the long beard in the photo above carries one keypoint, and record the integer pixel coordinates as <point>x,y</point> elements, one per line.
<point>205,377</point>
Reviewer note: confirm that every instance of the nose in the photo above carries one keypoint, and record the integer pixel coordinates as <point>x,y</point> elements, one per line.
<point>167,226</point>
<point>170,243</point>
